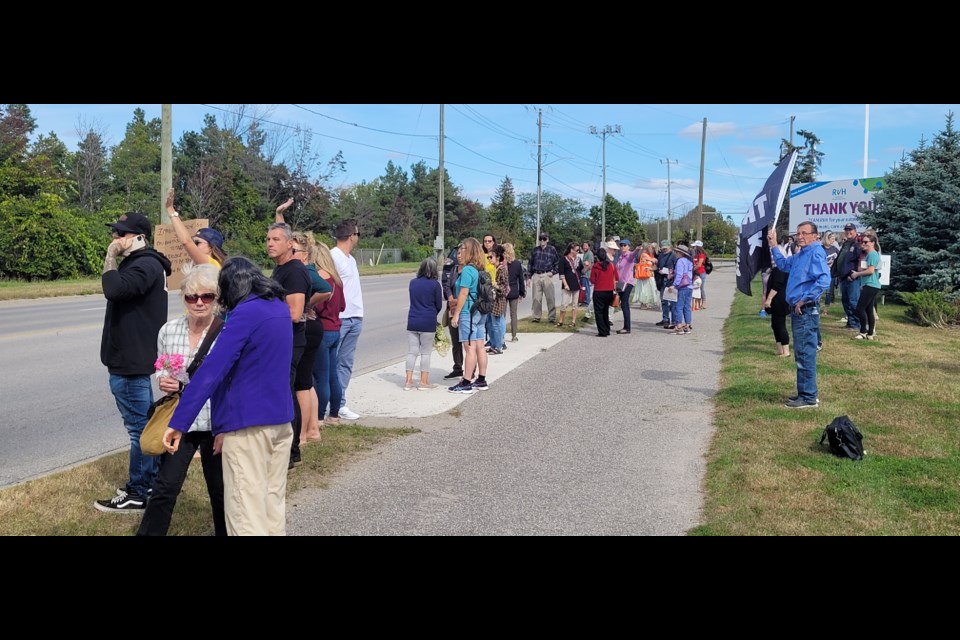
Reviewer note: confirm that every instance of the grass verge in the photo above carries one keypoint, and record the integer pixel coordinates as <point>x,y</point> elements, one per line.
<point>61,504</point>
<point>767,473</point>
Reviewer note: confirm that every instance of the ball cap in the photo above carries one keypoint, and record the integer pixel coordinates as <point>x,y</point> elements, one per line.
<point>850,227</point>
<point>132,222</point>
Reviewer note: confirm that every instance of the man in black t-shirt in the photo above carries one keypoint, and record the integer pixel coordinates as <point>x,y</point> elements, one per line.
<point>292,275</point>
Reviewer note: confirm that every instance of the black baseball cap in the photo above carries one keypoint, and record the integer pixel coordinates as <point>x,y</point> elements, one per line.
<point>544,236</point>
<point>132,222</point>
<point>850,227</point>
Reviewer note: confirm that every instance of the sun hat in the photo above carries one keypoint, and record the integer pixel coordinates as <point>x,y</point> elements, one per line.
<point>611,245</point>
<point>682,249</point>
<point>698,243</point>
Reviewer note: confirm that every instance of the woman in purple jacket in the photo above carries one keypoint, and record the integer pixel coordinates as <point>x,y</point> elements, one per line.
<point>426,301</point>
<point>246,376</point>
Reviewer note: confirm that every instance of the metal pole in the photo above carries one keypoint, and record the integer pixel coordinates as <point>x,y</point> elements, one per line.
<point>439,244</point>
<point>703,149</point>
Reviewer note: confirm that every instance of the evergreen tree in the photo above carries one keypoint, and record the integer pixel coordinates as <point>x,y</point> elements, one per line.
<point>809,159</point>
<point>917,215</point>
<point>504,214</point>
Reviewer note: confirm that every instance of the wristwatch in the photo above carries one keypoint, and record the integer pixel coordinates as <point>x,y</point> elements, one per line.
<point>175,214</point>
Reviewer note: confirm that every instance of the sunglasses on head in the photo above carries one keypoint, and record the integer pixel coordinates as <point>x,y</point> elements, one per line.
<point>206,297</point>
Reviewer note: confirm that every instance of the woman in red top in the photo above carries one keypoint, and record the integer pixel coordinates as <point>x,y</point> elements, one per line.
<point>325,379</point>
<point>603,277</point>
<point>699,260</point>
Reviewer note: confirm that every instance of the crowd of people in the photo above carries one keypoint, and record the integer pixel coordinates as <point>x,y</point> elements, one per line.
<point>277,356</point>
<point>278,351</point>
<point>805,272</point>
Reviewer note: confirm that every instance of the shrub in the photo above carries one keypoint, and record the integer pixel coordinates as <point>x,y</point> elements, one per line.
<point>41,240</point>
<point>415,253</point>
<point>932,308</point>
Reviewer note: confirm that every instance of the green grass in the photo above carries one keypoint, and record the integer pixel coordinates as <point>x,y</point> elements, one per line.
<point>767,474</point>
<point>61,504</point>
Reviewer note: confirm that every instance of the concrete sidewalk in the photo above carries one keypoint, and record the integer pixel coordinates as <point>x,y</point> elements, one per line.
<point>578,435</point>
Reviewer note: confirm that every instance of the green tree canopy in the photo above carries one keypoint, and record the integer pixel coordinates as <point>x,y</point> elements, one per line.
<point>917,215</point>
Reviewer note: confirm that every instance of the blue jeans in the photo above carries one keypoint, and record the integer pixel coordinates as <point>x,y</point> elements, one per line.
<point>497,330</point>
<point>349,334</point>
<point>587,289</point>
<point>667,307</point>
<point>490,330</point>
<point>134,395</point>
<point>684,306</point>
<point>806,328</point>
<point>850,296</point>
<point>325,378</point>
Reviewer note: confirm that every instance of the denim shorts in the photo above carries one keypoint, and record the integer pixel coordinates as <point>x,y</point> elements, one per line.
<point>472,326</point>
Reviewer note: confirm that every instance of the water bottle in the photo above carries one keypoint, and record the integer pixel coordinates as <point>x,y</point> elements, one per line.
<point>763,313</point>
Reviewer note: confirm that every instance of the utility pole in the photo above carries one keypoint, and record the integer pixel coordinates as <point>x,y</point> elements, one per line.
<point>669,212</point>
<point>166,159</point>
<point>438,245</point>
<point>792,118</point>
<point>539,146</point>
<point>866,137</point>
<point>703,149</point>
<point>607,130</point>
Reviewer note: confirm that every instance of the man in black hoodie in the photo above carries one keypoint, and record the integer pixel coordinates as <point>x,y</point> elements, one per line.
<point>136,294</point>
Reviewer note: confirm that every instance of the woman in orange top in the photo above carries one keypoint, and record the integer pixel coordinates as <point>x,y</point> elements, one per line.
<point>645,292</point>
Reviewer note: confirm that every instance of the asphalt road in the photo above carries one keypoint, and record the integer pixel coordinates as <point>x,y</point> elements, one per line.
<point>56,409</point>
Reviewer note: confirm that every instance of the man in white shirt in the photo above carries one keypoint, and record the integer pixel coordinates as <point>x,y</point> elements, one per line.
<point>351,318</point>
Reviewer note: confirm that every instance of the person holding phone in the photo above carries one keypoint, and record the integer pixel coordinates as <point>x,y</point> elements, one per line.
<point>136,293</point>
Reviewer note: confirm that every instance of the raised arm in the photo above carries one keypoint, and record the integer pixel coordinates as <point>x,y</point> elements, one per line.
<point>183,235</point>
<point>283,207</point>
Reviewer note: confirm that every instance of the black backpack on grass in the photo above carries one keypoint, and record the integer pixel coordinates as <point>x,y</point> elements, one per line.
<point>845,439</point>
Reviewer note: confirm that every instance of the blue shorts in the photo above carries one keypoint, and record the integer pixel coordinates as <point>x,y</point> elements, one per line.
<point>472,326</point>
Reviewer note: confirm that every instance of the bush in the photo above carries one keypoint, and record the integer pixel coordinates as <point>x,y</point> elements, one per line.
<point>40,240</point>
<point>415,253</point>
<point>932,308</point>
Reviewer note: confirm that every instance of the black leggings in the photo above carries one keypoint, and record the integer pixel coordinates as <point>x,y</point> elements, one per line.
<point>865,311</point>
<point>778,322</point>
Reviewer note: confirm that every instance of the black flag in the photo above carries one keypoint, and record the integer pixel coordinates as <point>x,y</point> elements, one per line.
<point>753,254</point>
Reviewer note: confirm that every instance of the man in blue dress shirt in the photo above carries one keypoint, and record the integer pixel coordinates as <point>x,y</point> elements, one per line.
<point>808,277</point>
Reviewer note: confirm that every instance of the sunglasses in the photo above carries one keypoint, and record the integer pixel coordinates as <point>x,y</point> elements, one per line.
<point>207,298</point>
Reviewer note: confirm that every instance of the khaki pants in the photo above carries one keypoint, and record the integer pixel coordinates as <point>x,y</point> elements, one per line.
<point>255,462</point>
<point>542,284</point>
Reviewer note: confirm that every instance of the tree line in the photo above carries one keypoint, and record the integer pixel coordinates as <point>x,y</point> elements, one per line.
<point>54,202</point>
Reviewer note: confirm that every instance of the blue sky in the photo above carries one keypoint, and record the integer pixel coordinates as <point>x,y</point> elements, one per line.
<point>485,142</point>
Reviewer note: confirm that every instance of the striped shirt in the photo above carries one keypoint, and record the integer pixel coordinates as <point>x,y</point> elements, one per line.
<point>174,338</point>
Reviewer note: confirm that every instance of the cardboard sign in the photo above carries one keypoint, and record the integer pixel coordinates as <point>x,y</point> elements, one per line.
<point>165,241</point>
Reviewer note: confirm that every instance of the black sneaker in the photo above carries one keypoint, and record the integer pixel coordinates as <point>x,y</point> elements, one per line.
<point>793,398</point>
<point>462,387</point>
<point>481,386</point>
<point>453,374</point>
<point>801,404</point>
<point>820,346</point>
<point>661,323</point>
<point>121,503</point>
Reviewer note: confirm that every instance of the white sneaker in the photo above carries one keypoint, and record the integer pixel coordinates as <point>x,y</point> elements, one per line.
<point>346,414</point>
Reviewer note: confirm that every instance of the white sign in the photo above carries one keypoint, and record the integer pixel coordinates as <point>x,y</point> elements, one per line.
<point>885,266</point>
<point>831,205</point>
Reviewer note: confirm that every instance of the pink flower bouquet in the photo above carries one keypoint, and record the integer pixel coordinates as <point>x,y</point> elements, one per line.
<point>171,366</point>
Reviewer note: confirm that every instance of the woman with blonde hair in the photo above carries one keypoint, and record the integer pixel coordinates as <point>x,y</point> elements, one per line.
<point>305,250</point>
<point>325,380</point>
<point>468,319</point>
<point>518,289</point>
<point>184,336</point>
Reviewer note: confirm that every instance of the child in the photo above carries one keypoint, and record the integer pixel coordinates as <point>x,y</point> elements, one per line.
<point>696,293</point>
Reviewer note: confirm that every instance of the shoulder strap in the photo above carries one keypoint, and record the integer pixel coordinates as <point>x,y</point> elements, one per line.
<point>212,333</point>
